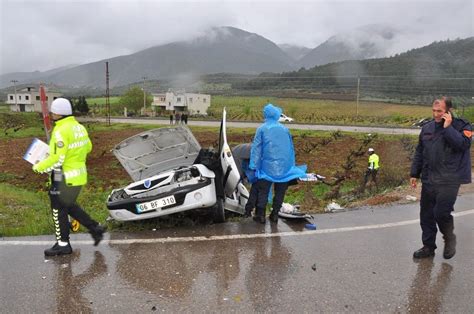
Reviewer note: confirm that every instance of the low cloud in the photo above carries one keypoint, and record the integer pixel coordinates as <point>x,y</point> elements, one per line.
<point>41,35</point>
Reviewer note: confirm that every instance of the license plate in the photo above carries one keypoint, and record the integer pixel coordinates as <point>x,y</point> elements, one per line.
<point>156,204</point>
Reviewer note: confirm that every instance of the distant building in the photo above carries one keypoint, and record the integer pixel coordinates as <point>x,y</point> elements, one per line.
<point>179,100</point>
<point>28,99</point>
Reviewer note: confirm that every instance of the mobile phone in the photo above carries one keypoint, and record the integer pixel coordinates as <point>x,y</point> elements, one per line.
<point>447,111</point>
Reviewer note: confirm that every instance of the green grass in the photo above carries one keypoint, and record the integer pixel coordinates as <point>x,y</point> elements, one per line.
<point>101,100</point>
<point>249,108</point>
<point>321,111</point>
<point>97,105</point>
<point>24,212</point>
<point>297,197</point>
<point>469,114</point>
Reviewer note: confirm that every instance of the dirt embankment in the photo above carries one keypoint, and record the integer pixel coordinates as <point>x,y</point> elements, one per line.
<point>322,156</point>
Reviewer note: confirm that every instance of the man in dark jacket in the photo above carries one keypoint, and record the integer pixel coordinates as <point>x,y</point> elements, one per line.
<point>442,159</point>
<point>241,155</point>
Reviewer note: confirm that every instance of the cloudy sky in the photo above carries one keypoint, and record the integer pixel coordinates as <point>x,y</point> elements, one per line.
<point>45,34</point>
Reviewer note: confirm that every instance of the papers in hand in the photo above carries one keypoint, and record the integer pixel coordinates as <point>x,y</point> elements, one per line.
<point>36,152</point>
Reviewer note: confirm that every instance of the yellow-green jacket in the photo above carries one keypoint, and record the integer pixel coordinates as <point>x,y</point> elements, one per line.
<point>373,162</point>
<point>68,149</point>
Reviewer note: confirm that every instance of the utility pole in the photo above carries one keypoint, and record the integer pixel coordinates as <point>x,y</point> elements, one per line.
<point>144,94</point>
<point>358,91</point>
<point>107,96</point>
<point>16,100</point>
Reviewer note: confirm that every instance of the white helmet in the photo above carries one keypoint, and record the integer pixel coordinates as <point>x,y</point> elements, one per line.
<point>61,106</point>
<point>371,150</point>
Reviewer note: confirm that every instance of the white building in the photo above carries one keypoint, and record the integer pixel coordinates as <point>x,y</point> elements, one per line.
<point>28,99</point>
<point>179,100</point>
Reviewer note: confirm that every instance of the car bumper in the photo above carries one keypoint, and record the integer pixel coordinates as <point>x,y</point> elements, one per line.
<point>196,196</point>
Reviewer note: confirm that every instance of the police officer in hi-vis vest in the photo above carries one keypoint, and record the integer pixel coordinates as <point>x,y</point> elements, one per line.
<point>372,168</point>
<point>68,149</point>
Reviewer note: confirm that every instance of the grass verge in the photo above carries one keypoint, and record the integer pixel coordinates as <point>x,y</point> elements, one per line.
<point>24,212</point>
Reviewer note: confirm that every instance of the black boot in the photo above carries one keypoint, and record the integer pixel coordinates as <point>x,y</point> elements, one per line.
<point>259,219</point>
<point>274,216</point>
<point>449,246</point>
<point>58,250</point>
<point>447,229</point>
<point>424,252</point>
<point>98,233</point>
<point>259,215</point>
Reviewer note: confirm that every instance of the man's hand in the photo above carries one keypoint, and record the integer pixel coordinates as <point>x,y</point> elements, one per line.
<point>448,119</point>
<point>413,182</point>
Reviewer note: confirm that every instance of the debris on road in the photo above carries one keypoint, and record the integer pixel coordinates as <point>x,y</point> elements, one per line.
<point>333,207</point>
<point>310,226</point>
<point>312,177</point>
<point>290,211</point>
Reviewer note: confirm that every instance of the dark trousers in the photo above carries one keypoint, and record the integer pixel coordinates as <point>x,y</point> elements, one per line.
<point>63,203</point>
<point>252,201</point>
<point>370,173</point>
<point>263,188</point>
<point>436,205</point>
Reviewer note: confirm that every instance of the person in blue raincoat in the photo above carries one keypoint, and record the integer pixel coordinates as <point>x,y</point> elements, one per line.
<point>273,158</point>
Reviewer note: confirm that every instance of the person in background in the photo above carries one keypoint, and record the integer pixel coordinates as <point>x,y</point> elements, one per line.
<point>177,118</point>
<point>443,161</point>
<point>184,118</point>
<point>241,155</point>
<point>372,168</point>
<point>272,157</point>
<point>171,118</point>
<point>68,150</point>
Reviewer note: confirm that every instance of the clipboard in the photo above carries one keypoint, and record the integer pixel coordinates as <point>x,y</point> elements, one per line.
<point>36,152</point>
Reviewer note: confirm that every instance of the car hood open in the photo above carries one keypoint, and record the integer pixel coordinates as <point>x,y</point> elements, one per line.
<point>152,152</point>
<point>159,150</point>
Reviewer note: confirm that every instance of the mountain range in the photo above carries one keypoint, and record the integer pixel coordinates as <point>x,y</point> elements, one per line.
<point>221,50</point>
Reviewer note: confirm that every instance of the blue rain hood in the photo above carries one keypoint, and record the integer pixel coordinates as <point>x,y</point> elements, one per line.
<point>271,113</point>
<point>273,154</point>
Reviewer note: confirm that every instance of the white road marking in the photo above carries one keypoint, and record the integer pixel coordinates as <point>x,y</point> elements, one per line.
<point>237,236</point>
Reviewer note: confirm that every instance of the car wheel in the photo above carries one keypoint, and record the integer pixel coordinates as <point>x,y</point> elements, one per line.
<point>219,212</point>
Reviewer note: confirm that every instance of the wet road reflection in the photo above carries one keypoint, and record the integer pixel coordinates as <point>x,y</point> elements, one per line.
<point>69,285</point>
<point>268,270</point>
<point>237,272</point>
<point>427,293</point>
<point>245,267</point>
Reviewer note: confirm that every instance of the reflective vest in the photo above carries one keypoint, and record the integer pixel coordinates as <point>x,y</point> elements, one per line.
<point>68,149</point>
<point>374,162</point>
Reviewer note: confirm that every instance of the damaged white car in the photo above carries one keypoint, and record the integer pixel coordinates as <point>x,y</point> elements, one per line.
<point>173,174</point>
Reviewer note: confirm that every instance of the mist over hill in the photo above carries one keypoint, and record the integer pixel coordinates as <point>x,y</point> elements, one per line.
<point>295,52</point>
<point>367,42</point>
<point>234,52</point>
<point>441,68</point>
<point>223,49</point>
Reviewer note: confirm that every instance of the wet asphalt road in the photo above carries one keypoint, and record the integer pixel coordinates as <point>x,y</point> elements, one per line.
<point>254,125</point>
<point>356,261</point>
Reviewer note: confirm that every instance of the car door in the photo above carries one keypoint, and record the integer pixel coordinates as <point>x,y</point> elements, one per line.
<point>229,167</point>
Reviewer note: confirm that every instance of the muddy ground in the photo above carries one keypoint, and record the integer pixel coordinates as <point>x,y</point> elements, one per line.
<point>324,156</point>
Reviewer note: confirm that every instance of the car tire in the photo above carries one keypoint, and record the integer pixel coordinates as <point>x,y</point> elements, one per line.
<point>219,211</point>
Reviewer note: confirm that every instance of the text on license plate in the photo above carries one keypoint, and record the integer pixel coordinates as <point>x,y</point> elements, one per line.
<point>156,204</point>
